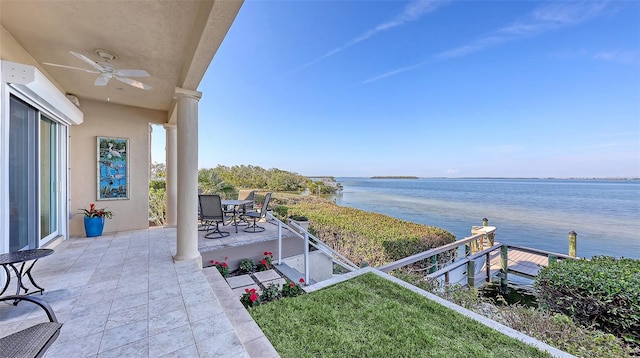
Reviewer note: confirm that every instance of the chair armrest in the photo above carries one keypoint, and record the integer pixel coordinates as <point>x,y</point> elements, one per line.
<point>38,301</point>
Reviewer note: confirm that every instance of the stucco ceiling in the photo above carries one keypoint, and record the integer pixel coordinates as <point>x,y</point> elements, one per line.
<point>174,41</point>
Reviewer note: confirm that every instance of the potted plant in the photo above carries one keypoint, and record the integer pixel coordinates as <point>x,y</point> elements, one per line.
<point>94,220</point>
<point>301,221</point>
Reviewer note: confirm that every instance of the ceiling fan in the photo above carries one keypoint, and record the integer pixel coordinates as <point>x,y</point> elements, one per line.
<point>107,70</point>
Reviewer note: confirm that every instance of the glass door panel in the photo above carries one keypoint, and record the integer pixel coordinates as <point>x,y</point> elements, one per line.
<point>48,177</point>
<point>22,174</point>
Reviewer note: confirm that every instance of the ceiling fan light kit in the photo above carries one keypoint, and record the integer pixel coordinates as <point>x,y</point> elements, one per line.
<point>106,70</point>
<point>106,55</point>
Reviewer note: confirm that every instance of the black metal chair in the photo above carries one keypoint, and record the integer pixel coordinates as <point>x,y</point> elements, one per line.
<point>257,216</point>
<point>211,215</point>
<point>32,341</point>
<point>239,211</point>
<point>246,195</point>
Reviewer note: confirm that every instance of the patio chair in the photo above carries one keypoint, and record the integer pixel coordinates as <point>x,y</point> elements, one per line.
<point>257,216</point>
<point>32,341</point>
<point>211,215</point>
<point>201,227</point>
<point>246,195</point>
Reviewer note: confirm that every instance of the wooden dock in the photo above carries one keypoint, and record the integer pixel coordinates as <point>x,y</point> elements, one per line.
<point>521,262</point>
<point>480,249</point>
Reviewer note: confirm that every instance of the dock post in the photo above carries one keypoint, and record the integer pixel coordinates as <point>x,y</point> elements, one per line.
<point>434,264</point>
<point>488,265</point>
<point>491,236</point>
<point>471,273</point>
<point>572,243</point>
<point>504,267</point>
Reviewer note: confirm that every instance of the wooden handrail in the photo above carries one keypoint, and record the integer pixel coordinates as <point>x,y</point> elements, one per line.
<point>426,254</point>
<point>463,261</point>
<point>541,252</point>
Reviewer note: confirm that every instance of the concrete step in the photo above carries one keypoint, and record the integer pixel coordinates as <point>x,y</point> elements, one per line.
<point>291,273</point>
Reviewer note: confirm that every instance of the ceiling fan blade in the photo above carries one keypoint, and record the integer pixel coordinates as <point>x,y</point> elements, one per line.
<point>132,73</point>
<point>87,60</point>
<point>133,83</point>
<point>101,81</point>
<point>71,67</point>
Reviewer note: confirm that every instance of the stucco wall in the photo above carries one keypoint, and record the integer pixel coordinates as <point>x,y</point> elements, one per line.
<point>110,120</point>
<point>10,50</point>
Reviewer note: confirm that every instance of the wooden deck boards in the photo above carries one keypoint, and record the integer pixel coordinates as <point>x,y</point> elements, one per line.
<point>521,262</point>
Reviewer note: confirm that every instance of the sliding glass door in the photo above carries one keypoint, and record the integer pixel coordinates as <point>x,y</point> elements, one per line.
<point>48,178</point>
<point>34,193</point>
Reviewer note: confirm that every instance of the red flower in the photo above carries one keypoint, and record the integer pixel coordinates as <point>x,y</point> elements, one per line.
<point>224,264</point>
<point>91,207</point>
<point>263,261</point>
<point>291,284</point>
<point>301,280</point>
<point>217,263</point>
<point>226,257</point>
<point>266,253</point>
<point>246,290</point>
<point>210,261</point>
<point>253,297</point>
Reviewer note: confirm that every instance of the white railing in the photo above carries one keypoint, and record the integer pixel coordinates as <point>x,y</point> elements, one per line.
<point>473,244</point>
<point>309,240</point>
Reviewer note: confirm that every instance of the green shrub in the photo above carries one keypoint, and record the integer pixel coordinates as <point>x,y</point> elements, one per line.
<point>561,332</point>
<point>469,298</point>
<point>299,218</point>
<point>291,289</point>
<point>246,266</point>
<point>280,211</point>
<point>270,293</point>
<point>157,206</point>
<point>554,329</point>
<point>157,184</point>
<point>603,291</point>
<point>364,236</point>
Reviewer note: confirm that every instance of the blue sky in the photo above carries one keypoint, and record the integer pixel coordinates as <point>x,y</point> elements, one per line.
<point>426,88</point>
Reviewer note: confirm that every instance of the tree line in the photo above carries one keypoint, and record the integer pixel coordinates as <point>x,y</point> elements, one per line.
<point>226,181</point>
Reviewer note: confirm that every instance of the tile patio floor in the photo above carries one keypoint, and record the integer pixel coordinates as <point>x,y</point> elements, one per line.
<point>121,295</point>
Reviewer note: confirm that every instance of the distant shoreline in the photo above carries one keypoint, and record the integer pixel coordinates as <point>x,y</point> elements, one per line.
<point>395,177</point>
<point>494,178</point>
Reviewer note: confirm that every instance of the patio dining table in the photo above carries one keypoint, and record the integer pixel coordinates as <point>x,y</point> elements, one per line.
<point>27,259</point>
<point>236,204</point>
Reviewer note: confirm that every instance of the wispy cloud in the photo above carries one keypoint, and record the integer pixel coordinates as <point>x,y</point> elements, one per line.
<point>412,12</point>
<point>541,20</point>
<point>395,72</point>
<point>618,56</point>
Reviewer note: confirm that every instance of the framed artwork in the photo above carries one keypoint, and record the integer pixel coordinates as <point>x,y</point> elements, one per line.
<point>113,168</point>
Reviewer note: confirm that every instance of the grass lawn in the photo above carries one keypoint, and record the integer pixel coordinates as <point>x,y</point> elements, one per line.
<point>369,316</point>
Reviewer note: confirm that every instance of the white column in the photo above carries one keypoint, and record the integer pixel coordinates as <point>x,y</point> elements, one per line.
<point>171,174</point>
<point>187,159</point>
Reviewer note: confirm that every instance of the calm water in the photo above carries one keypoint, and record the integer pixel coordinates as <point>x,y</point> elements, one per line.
<point>533,213</point>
